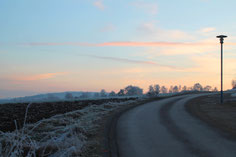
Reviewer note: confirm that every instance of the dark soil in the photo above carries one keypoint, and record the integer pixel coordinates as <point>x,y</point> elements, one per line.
<point>38,111</point>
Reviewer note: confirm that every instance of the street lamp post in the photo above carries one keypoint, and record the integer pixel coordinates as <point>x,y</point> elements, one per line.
<point>221,42</point>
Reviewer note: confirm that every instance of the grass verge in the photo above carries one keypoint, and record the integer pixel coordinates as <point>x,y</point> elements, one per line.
<point>220,116</point>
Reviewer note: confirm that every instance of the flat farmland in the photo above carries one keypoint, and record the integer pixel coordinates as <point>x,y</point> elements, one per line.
<point>38,111</point>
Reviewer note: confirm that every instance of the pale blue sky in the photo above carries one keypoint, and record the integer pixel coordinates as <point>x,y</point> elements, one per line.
<point>58,45</point>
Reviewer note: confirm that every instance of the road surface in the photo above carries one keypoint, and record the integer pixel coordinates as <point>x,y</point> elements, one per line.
<point>165,129</point>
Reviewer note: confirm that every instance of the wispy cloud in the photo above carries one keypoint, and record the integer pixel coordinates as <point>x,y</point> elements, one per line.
<point>150,44</point>
<point>207,29</point>
<point>58,44</point>
<point>36,77</point>
<point>99,4</point>
<point>126,44</point>
<point>151,31</point>
<point>125,60</point>
<point>148,7</point>
<point>202,43</point>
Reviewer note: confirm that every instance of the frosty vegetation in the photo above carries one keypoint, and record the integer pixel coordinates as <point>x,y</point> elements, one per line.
<point>63,135</point>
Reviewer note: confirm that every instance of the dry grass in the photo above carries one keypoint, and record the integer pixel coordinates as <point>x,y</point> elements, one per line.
<point>209,109</point>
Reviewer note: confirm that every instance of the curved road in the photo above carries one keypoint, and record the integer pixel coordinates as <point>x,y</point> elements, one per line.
<point>165,129</point>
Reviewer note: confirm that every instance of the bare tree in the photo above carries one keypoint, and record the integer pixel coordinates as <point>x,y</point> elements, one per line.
<point>164,89</point>
<point>233,84</point>
<point>103,93</point>
<point>157,89</point>
<point>151,91</point>
<point>112,94</point>
<point>197,87</point>
<point>175,89</point>
<point>133,90</point>
<point>190,89</point>
<point>180,88</point>
<point>215,89</point>
<point>121,92</point>
<point>184,88</point>
<point>171,89</point>
<point>207,88</point>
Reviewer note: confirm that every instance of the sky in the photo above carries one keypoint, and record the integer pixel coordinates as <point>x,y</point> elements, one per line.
<point>89,45</point>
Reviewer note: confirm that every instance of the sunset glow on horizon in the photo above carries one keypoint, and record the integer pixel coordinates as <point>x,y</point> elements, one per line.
<point>89,45</point>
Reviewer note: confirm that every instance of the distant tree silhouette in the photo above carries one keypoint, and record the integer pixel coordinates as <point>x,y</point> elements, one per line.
<point>133,90</point>
<point>215,89</point>
<point>157,89</point>
<point>96,95</point>
<point>164,89</point>
<point>185,88</point>
<point>197,87</point>
<point>175,89</point>
<point>112,94</point>
<point>69,96</point>
<point>233,84</point>
<point>207,88</point>
<point>121,92</point>
<point>151,91</point>
<point>84,95</point>
<point>103,93</point>
<point>190,89</point>
<point>171,89</point>
<point>180,88</point>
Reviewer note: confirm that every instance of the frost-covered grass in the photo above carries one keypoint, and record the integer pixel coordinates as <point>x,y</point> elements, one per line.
<point>44,98</point>
<point>233,95</point>
<point>59,136</point>
<point>62,135</point>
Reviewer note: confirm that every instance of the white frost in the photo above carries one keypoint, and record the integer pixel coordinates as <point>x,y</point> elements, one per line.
<point>59,136</point>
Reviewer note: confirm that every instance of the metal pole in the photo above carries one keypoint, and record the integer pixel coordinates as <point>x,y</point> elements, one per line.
<point>221,42</point>
<point>221,93</point>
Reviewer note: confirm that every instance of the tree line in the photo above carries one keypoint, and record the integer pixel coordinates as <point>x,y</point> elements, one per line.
<point>153,90</point>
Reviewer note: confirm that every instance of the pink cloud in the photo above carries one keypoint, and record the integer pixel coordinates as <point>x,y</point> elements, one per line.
<point>37,77</point>
<point>145,44</point>
<point>129,44</point>
<point>207,30</point>
<point>132,61</point>
<point>99,4</point>
<point>122,43</point>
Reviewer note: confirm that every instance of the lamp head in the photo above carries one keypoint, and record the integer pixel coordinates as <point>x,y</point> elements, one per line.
<point>221,38</point>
